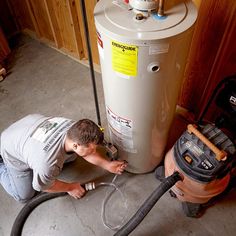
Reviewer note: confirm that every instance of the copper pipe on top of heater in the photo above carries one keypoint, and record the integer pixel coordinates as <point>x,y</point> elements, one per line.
<point>161,8</point>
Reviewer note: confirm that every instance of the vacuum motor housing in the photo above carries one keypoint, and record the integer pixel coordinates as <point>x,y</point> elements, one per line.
<point>204,159</point>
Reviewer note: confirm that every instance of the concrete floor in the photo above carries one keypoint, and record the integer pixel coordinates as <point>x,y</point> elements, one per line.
<point>45,81</point>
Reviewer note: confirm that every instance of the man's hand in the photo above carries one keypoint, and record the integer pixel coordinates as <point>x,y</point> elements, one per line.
<point>117,167</point>
<point>77,191</point>
<point>73,189</point>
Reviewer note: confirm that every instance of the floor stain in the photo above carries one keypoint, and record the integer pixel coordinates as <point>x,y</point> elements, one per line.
<point>3,91</point>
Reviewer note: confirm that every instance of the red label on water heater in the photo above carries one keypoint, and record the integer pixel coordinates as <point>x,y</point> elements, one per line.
<point>99,40</point>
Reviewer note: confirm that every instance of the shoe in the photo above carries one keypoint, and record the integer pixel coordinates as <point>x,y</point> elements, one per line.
<point>1,160</point>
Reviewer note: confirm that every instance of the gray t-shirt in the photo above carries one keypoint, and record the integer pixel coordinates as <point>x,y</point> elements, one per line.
<point>36,142</point>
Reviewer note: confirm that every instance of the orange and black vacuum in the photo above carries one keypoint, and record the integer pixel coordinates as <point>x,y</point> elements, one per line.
<point>199,166</point>
<point>197,169</point>
<point>203,157</point>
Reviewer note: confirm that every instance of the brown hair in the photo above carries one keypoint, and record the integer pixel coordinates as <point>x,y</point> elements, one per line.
<point>84,132</point>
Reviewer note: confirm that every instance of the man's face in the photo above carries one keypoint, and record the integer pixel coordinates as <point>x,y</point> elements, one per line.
<point>87,150</point>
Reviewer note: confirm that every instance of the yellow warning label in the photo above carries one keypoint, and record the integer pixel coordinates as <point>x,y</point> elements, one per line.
<point>124,58</point>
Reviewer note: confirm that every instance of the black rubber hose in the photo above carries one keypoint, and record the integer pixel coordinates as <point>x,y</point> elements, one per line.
<point>125,230</point>
<point>28,208</point>
<point>148,204</point>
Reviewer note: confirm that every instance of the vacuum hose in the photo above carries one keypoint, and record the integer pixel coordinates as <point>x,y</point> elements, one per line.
<point>42,197</point>
<point>124,231</point>
<point>148,204</point>
<point>33,203</point>
<point>28,208</point>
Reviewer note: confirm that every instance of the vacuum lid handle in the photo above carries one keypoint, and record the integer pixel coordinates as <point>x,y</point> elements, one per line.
<point>221,155</point>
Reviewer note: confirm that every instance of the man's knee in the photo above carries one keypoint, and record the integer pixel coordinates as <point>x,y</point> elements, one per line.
<point>24,198</point>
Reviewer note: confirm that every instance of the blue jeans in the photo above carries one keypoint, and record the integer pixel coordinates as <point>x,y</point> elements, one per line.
<point>18,184</point>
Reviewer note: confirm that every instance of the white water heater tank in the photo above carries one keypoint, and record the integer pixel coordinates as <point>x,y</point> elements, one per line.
<point>142,57</point>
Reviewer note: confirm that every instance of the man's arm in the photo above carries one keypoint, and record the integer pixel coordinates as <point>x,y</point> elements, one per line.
<point>73,189</point>
<point>116,167</point>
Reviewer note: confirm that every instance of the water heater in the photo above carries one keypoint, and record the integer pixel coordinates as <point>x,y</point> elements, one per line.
<point>142,55</point>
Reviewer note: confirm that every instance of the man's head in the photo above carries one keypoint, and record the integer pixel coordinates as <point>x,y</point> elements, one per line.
<point>85,136</point>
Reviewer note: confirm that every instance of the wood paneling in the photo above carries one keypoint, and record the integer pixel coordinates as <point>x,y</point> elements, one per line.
<point>90,4</point>
<point>4,48</point>
<point>212,31</point>
<point>7,21</point>
<point>53,21</point>
<point>54,24</point>
<point>62,24</point>
<point>40,18</point>
<point>21,14</point>
<point>197,2</point>
<point>75,27</point>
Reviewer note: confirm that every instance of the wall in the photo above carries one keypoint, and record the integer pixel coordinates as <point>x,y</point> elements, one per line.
<point>212,54</point>
<point>211,58</point>
<point>7,21</point>
<point>197,3</point>
<point>58,23</point>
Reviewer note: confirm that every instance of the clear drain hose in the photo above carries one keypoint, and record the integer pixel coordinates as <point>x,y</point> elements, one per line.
<point>105,201</point>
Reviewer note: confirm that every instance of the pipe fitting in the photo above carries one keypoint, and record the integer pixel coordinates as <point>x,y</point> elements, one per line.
<point>89,186</point>
<point>160,11</point>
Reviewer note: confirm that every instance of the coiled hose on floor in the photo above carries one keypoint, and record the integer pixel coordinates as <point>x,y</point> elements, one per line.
<point>148,204</point>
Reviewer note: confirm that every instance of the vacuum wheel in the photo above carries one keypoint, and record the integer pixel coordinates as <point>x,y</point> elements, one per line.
<point>192,209</point>
<point>160,173</point>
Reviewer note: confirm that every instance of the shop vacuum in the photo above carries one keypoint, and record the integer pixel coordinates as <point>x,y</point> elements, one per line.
<point>199,168</point>
<point>204,156</point>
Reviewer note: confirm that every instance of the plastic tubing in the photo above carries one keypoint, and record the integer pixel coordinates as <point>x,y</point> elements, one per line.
<point>148,205</point>
<point>106,199</point>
